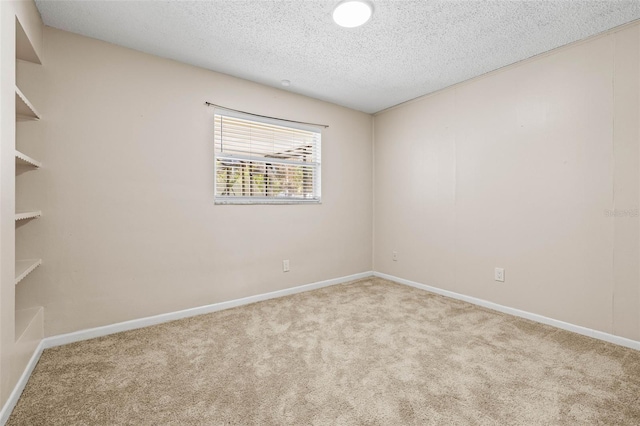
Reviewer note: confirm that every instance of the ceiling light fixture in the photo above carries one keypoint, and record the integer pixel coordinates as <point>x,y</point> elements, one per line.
<point>352,13</point>
<point>286,83</point>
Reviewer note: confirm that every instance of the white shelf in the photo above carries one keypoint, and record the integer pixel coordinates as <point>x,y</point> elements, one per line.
<point>24,48</point>
<point>28,215</point>
<point>24,318</point>
<point>25,267</point>
<point>25,160</point>
<point>24,109</point>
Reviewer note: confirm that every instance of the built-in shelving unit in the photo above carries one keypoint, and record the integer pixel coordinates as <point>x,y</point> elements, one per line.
<point>25,267</point>
<point>28,215</point>
<point>29,319</point>
<point>25,160</point>
<point>24,109</point>
<point>22,132</point>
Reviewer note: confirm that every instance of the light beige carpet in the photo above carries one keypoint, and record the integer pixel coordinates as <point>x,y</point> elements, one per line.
<point>366,353</point>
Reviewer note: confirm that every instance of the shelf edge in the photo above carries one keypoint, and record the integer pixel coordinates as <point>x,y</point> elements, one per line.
<point>20,97</point>
<point>33,265</point>
<point>28,215</point>
<point>25,159</point>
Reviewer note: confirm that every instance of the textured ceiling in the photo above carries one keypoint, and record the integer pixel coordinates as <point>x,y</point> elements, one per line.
<point>408,49</point>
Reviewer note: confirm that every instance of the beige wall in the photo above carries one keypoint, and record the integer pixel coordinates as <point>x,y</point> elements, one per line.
<point>130,227</point>
<point>516,170</point>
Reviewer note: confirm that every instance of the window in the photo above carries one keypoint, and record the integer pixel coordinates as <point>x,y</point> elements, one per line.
<point>262,160</point>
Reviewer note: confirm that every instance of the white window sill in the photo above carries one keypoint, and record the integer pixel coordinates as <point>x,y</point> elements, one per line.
<point>245,201</point>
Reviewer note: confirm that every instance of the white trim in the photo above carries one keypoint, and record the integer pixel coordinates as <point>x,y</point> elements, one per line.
<point>600,335</point>
<point>5,413</point>
<point>91,333</point>
<point>77,336</point>
<point>225,200</point>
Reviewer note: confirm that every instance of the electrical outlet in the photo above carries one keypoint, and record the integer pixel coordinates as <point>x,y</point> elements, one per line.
<point>285,265</point>
<point>394,256</point>
<point>499,274</point>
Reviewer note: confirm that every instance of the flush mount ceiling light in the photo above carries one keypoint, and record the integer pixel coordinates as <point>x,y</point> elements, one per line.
<point>352,13</point>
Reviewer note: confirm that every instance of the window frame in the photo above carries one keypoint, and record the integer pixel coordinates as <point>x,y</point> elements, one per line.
<point>256,200</point>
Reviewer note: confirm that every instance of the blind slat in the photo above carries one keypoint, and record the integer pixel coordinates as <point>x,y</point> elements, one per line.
<point>261,161</point>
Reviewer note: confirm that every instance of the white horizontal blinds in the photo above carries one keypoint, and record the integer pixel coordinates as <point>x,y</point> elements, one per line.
<point>264,159</point>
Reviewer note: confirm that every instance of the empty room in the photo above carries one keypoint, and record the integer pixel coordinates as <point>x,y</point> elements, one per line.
<point>320,212</point>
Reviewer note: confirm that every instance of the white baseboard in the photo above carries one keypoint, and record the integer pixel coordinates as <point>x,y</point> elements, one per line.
<point>91,333</point>
<point>600,335</point>
<point>19,387</point>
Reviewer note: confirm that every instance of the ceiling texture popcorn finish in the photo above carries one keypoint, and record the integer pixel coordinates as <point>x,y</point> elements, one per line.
<point>407,49</point>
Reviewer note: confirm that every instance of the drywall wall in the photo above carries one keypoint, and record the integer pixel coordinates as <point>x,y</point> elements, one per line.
<point>534,169</point>
<point>130,227</point>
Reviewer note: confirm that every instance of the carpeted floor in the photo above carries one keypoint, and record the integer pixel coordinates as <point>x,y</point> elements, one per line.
<point>369,352</point>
